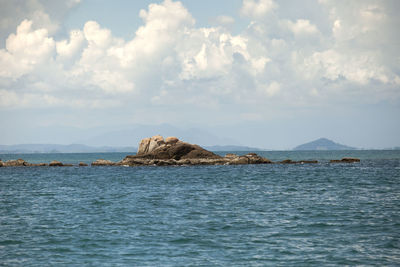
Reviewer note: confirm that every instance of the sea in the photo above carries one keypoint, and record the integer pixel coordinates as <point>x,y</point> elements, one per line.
<point>251,215</point>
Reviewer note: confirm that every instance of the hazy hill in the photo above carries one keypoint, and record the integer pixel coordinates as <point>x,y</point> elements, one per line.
<point>77,148</point>
<point>134,133</point>
<point>323,144</point>
<point>53,148</point>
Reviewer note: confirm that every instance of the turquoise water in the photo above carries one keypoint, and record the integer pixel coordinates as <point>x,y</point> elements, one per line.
<point>253,215</point>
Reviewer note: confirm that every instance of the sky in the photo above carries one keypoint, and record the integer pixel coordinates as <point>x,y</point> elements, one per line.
<point>265,73</point>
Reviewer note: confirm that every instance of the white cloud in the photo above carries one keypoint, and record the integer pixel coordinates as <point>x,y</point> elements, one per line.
<point>356,68</point>
<point>302,26</point>
<point>273,88</point>
<point>225,20</point>
<point>71,49</point>
<point>43,13</point>
<point>25,50</point>
<point>257,8</point>
<point>170,58</point>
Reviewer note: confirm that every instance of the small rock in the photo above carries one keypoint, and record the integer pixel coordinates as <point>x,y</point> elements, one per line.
<point>82,164</point>
<point>240,160</point>
<point>345,160</point>
<point>38,164</point>
<point>56,163</point>
<point>15,163</point>
<point>103,162</point>
<point>256,159</point>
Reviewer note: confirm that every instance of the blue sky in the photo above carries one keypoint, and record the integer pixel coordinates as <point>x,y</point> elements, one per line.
<point>265,73</point>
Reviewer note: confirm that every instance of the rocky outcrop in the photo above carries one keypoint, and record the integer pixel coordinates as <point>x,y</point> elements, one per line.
<point>38,164</point>
<point>103,162</point>
<point>148,145</point>
<point>345,160</point>
<point>250,158</point>
<point>56,163</point>
<point>170,148</point>
<point>156,151</point>
<point>20,163</point>
<point>15,163</point>
<point>172,151</point>
<point>171,140</point>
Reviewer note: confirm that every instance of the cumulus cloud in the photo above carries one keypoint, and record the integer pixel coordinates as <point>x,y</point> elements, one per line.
<point>25,49</point>
<point>43,13</point>
<point>286,60</point>
<point>225,20</point>
<point>257,8</point>
<point>302,26</point>
<point>72,48</point>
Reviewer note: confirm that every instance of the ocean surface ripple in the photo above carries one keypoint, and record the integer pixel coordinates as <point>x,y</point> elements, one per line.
<point>252,215</point>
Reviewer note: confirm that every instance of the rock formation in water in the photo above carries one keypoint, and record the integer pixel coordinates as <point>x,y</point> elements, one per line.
<point>103,162</point>
<point>172,151</point>
<point>345,160</point>
<point>19,163</point>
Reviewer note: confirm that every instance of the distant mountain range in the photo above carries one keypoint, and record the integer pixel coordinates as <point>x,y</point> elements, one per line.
<point>323,144</point>
<point>53,148</point>
<point>78,148</point>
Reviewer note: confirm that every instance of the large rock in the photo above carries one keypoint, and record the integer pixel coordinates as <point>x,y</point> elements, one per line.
<point>155,142</point>
<point>148,145</point>
<point>177,151</point>
<point>172,151</point>
<point>143,146</point>
<point>171,140</point>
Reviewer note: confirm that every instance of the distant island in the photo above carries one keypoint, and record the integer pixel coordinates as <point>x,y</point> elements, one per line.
<point>323,144</point>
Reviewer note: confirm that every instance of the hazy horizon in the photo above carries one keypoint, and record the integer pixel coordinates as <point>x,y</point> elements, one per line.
<point>259,73</point>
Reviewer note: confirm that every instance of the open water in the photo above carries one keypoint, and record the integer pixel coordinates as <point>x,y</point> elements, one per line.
<point>254,215</point>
